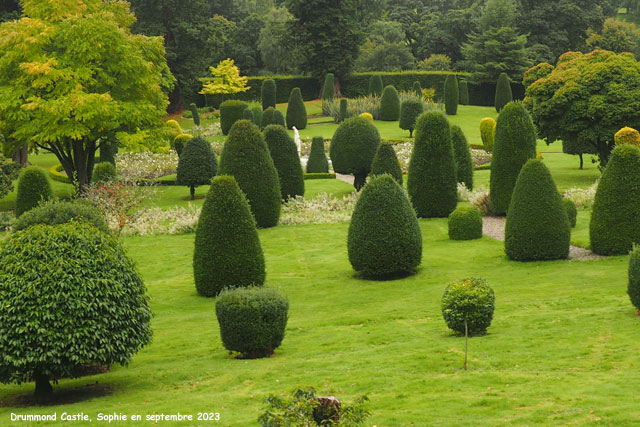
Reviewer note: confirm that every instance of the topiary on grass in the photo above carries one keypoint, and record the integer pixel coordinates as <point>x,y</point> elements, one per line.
<point>410,110</point>
<point>247,114</point>
<point>417,89</point>
<point>328,88</point>
<point>469,301</point>
<point>367,116</point>
<point>487,132</point>
<point>296,111</point>
<point>317,162</point>
<point>537,227</point>
<point>464,163</point>
<point>180,141</point>
<point>633,287</point>
<point>197,164</point>
<point>514,144</point>
<point>257,115</point>
<point>278,118</point>
<point>464,92</point>
<point>252,320</point>
<point>451,95</point>
<point>230,112</point>
<point>344,110</point>
<point>431,182</point>
<point>59,212</point>
<point>465,224</point>
<point>103,172</point>
<point>195,113</point>
<point>375,85</point>
<point>352,148</point>
<point>384,236</point>
<point>267,117</point>
<point>615,223</point>
<point>572,212</point>
<point>284,154</point>
<point>503,92</point>
<point>268,94</point>
<point>75,299</point>
<point>385,161</point>
<point>389,104</point>
<point>33,188</point>
<point>627,135</point>
<point>227,248</point>
<point>108,151</point>
<point>245,156</point>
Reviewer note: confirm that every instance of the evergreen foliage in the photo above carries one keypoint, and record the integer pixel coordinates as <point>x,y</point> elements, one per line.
<point>633,287</point>
<point>389,104</point>
<point>180,141</point>
<point>247,114</point>
<point>503,92</point>
<point>103,172</point>
<point>59,212</point>
<point>464,92</point>
<point>296,111</point>
<point>230,112</point>
<point>33,188</point>
<point>257,115</point>
<point>464,163</point>
<point>417,89</point>
<point>344,110</point>
<point>410,110</point>
<point>197,164</point>
<point>328,88</point>
<point>267,117</point>
<point>278,118</point>
<point>470,301</point>
<point>268,94</point>
<point>317,162</point>
<point>571,210</point>
<point>465,224</point>
<point>195,114</point>
<point>284,154</point>
<point>487,132</point>
<point>108,151</point>
<point>451,95</point>
<point>375,85</point>
<point>385,161</point>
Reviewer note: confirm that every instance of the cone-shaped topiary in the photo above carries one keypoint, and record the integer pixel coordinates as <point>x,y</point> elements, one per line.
<point>197,164</point>
<point>227,248</point>
<point>615,223</point>
<point>384,236</point>
<point>464,164</point>
<point>375,85</point>
<point>296,111</point>
<point>464,92</point>
<point>257,115</point>
<point>317,162</point>
<point>33,188</point>
<point>514,143</point>
<point>195,113</point>
<point>246,157</point>
<point>328,88</point>
<point>572,212</point>
<point>268,94</point>
<point>389,104</point>
<point>344,110</point>
<point>465,224</point>
<point>537,226</point>
<point>432,170</point>
<point>417,89</point>
<point>108,151</point>
<point>103,172</point>
<point>386,161</point>
<point>633,288</point>
<point>230,112</point>
<point>267,117</point>
<point>285,157</point>
<point>247,114</point>
<point>278,118</point>
<point>503,92</point>
<point>451,95</point>
<point>487,132</point>
<point>352,148</point>
<point>410,110</point>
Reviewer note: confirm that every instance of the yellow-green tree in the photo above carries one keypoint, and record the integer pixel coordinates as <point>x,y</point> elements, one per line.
<point>226,80</point>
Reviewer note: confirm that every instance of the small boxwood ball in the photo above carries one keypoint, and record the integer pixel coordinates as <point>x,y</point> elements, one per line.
<point>465,224</point>
<point>471,300</point>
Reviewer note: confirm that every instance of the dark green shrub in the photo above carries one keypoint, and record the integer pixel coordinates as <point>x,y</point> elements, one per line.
<point>344,110</point>
<point>257,115</point>
<point>252,320</point>
<point>58,212</point>
<point>464,92</point>
<point>245,156</point>
<point>33,188</point>
<point>464,163</point>
<point>278,118</point>
<point>465,224</point>
<point>451,95</point>
<point>633,288</point>
<point>572,212</point>
<point>384,236</point>
<point>268,94</point>
<point>76,299</point>
<point>317,162</point>
<point>284,154</point>
<point>296,111</point>
<point>537,226</point>
<point>514,143</point>
<point>352,148</point>
<point>615,223</point>
<point>469,301</point>
<point>431,182</point>
<point>386,161</point>
<point>417,89</point>
<point>503,92</point>
<point>197,164</point>
<point>108,151</point>
<point>230,112</point>
<point>227,248</point>
<point>389,104</point>
<point>267,117</point>
<point>328,88</point>
<point>180,141</point>
<point>410,110</point>
<point>375,85</point>
<point>195,113</point>
<point>103,172</point>
<point>247,114</point>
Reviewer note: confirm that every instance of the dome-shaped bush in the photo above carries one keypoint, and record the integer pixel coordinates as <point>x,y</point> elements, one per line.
<point>268,94</point>
<point>375,85</point>
<point>503,92</point>
<point>469,300</point>
<point>227,248</point>
<point>451,95</point>
<point>627,135</point>
<point>633,287</point>
<point>257,115</point>
<point>537,226</point>
<point>247,114</point>
<point>431,182</point>
<point>487,131</point>
<point>267,117</point>
<point>180,141</point>
<point>59,212</point>
<point>103,172</point>
<point>197,164</point>
<point>464,163</point>
<point>465,224</point>
<point>296,111</point>
<point>317,162</point>
<point>572,212</point>
<point>284,154</point>
<point>464,92</point>
<point>278,118</point>
<point>410,110</point>
<point>386,161</point>
<point>230,112</point>
<point>328,88</point>
<point>246,157</point>
<point>389,104</point>
<point>252,320</point>
<point>367,116</point>
<point>384,236</point>
<point>352,148</point>
<point>33,188</point>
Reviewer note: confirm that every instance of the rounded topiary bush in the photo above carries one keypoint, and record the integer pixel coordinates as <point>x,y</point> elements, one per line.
<point>469,301</point>
<point>386,161</point>
<point>76,299</point>
<point>195,114</point>
<point>268,94</point>
<point>367,116</point>
<point>247,114</point>
<point>257,115</point>
<point>375,85</point>
<point>627,135</point>
<point>615,223</point>
<point>464,92</point>
<point>487,131</point>
<point>317,162</point>
<point>431,183</point>
<point>230,112</point>
<point>464,163</point>
<point>33,188</point>
<point>197,164</point>
<point>284,154</point>
<point>180,141</point>
<point>328,88</point>
<point>384,236</point>
<point>633,287</point>
<point>103,172</point>
<point>278,118</point>
<point>389,104</point>
<point>245,156</point>
<point>296,111</point>
<point>465,224</point>
<point>451,95</point>
<point>267,117</point>
<point>227,248</point>
<point>537,227</point>
<point>410,110</point>
<point>59,212</point>
<point>352,148</point>
<point>252,320</point>
<point>571,210</point>
<point>503,92</point>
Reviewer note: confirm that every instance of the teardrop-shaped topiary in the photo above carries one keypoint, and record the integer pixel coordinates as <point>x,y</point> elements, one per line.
<point>431,182</point>
<point>257,115</point>
<point>267,117</point>
<point>537,226</point>
<point>384,236</point>
<point>278,118</point>
<point>328,88</point>
<point>514,143</point>
<point>451,95</point>
<point>464,92</point>
<point>375,85</point>
<point>615,223</point>
<point>296,111</point>
<point>571,210</point>
<point>284,154</point>
<point>227,248</point>
<point>410,110</point>
<point>317,162</point>
<point>464,164</point>
<point>389,104</point>
<point>230,112</point>
<point>503,92</point>
<point>268,94</point>
<point>197,164</point>
<point>33,188</point>
<point>386,161</point>
<point>487,132</point>
<point>245,156</point>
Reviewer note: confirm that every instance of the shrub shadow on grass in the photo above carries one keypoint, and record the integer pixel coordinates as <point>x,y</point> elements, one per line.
<point>385,278</point>
<point>61,396</point>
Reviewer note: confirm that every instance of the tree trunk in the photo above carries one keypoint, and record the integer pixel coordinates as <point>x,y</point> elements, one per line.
<point>84,154</point>
<point>359,180</point>
<point>193,192</point>
<point>581,161</point>
<point>21,156</point>
<point>43,391</point>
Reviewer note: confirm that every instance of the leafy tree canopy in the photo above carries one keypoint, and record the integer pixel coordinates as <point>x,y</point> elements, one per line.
<point>226,79</point>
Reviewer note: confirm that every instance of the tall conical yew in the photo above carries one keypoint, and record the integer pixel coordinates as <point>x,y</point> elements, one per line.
<point>464,164</point>
<point>284,154</point>
<point>317,162</point>
<point>296,111</point>
<point>245,156</point>
<point>386,161</point>
<point>227,248</point>
<point>328,88</point>
<point>197,164</point>
<point>451,95</point>
<point>268,94</point>
<point>389,104</point>
<point>375,85</point>
<point>464,92</point>
<point>503,92</point>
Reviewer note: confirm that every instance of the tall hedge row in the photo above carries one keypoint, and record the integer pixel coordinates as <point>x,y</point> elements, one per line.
<point>284,154</point>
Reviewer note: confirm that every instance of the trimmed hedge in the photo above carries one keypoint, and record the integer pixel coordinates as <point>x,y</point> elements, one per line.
<point>60,212</point>
<point>296,111</point>
<point>633,286</point>
<point>537,227</point>
<point>278,118</point>
<point>319,176</point>
<point>385,161</point>
<point>451,95</point>
<point>375,86</point>
<point>503,92</point>
<point>196,165</point>
<point>487,132</point>
<point>389,104</point>
<point>410,110</point>
<point>33,188</point>
<point>284,154</point>
<point>268,94</point>
<point>431,182</point>
<point>309,86</point>
<point>227,249</point>
<point>247,114</point>
<point>465,224</point>
<point>195,114</point>
<point>464,163</point>
<point>267,117</point>
<point>56,173</point>
<point>328,88</point>
<point>317,162</point>
<point>572,212</point>
<point>230,112</point>
<point>471,300</point>
<point>384,236</point>
<point>464,92</point>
